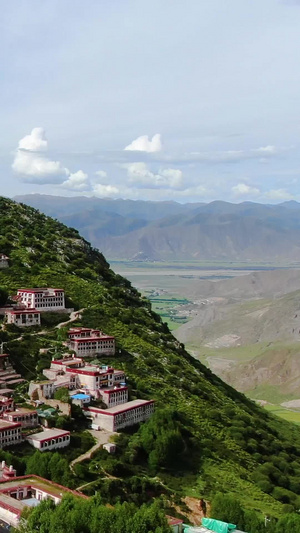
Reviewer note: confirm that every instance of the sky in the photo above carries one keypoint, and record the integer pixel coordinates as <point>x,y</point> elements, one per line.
<point>185,100</point>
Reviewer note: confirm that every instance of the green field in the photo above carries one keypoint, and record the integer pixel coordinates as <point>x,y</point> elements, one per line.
<point>287,414</point>
<point>169,308</point>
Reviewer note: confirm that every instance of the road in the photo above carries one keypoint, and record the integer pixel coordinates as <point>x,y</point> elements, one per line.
<point>102,437</point>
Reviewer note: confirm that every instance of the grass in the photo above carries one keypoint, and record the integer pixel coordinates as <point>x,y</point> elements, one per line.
<point>238,353</point>
<point>286,414</point>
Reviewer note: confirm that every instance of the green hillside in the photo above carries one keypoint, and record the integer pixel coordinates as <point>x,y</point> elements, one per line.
<point>205,437</point>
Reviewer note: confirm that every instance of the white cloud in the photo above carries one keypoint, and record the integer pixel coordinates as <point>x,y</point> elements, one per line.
<point>35,142</point>
<point>144,144</point>
<point>101,173</point>
<point>31,163</point>
<point>105,190</point>
<point>232,156</point>
<point>279,194</point>
<point>140,174</point>
<point>77,181</point>
<point>266,150</point>
<point>242,189</point>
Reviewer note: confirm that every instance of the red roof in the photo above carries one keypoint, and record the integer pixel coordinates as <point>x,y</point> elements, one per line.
<point>25,310</point>
<point>110,391</point>
<point>40,289</point>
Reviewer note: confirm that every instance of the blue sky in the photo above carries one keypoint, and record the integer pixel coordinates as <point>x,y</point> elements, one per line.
<point>189,100</point>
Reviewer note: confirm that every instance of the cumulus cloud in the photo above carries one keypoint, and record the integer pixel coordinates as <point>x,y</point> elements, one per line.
<point>242,189</point>
<point>31,163</point>
<point>144,144</point>
<point>140,174</point>
<point>105,190</point>
<point>77,181</point>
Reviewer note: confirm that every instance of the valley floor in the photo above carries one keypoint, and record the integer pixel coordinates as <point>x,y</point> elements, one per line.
<point>241,320</point>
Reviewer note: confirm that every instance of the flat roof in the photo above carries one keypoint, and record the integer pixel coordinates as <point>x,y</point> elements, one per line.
<point>38,482</point>
<point>114,389</point>
<point>92,339</point>
<point>69,361</point>
<point>80,396</point>
<point>121,408</point>
<point>48,434</point>
<point>4,424</point>
<point>21,411</point>
<point>40,289</point>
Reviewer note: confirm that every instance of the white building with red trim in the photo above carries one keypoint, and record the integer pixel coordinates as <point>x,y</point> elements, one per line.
<point>89,342</point>
<point>10,433</point>
<point>101,382</point>
<point>28,418</point>
<point>23,317</point>
<point>82,333</point>
<point>43,299</point>
<point>20,492</point>
<point>121,416</point>
<point>49,439</point>
<point>6,404</point>
<point>114,396</point>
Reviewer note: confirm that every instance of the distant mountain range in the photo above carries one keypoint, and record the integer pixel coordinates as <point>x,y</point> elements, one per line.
<point>166,231</point>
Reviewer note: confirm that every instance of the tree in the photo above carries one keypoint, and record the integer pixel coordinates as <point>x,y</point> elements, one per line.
<point>226,507</point>
<point>62,395</point>
<point>289,523</point>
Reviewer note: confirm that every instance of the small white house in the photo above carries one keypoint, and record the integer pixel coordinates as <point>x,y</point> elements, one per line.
<point>49,439</point>
<point>110,447</point>
<point>3,261</point>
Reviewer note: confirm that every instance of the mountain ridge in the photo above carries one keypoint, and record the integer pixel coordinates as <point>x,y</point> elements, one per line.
<point>171,231</point>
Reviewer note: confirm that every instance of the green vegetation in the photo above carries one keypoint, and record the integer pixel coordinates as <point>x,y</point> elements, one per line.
<point>205,436</point>
<point>73,515</point>
<point>169,309</point>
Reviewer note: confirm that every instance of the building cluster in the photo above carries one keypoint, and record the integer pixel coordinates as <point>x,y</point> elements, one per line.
<point>16,421</point>
<point>86,382</point>
<point>103,386</point>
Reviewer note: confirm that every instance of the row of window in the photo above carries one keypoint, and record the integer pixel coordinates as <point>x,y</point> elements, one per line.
<point>52,442</point>
<point>134,413</point>
<point>10,432</point>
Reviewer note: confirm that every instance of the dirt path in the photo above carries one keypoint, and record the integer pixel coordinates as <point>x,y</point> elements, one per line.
<point>73,317</point>
<point>195,514</point>
<point>102,437</point>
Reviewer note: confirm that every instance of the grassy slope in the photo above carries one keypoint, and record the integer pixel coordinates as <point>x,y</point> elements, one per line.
<point>223,424</point>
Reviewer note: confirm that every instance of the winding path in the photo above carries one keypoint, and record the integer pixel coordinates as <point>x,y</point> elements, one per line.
<point>102,437</point>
